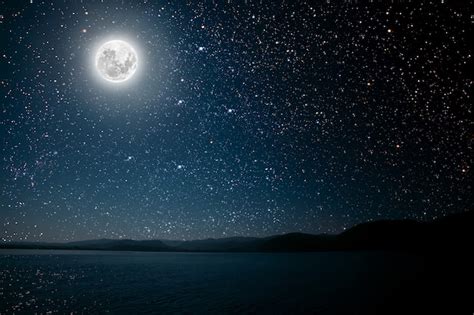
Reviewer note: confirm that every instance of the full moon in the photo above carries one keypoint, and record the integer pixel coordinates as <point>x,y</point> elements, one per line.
<point>116,61</point>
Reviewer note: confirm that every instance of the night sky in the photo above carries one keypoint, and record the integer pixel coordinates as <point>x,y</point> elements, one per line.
<point>248,119</point>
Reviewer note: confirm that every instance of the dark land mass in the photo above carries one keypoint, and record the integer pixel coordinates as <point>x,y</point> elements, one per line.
<point>447,233</point>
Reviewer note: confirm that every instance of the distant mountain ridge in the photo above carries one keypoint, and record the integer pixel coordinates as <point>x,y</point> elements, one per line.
<point>451,232</point>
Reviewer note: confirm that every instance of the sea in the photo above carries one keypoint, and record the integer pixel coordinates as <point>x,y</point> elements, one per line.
<point>101,282</point>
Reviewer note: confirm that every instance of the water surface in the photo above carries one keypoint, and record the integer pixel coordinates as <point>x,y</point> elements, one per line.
<point>140,282</point>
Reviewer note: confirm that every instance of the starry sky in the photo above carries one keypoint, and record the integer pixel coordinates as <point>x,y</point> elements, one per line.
<point>244,118</point>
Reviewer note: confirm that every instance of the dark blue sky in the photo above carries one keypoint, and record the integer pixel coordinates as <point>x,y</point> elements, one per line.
<point>243,119</point>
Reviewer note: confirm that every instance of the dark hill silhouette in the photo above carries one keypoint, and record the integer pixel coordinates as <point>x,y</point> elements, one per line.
<point>101,244</point>
<point>451,232</point>
<point>384,234</point>
<point>296,242</point>
<point>229,244</point>
<point>109,244</point>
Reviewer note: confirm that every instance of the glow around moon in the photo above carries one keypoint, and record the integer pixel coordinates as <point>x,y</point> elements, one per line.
<point>116,61</point>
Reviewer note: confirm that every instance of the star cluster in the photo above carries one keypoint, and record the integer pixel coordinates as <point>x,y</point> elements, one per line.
<point>247,118</point>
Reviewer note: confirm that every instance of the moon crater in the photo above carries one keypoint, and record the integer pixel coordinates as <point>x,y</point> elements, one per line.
<point>116,61</point>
